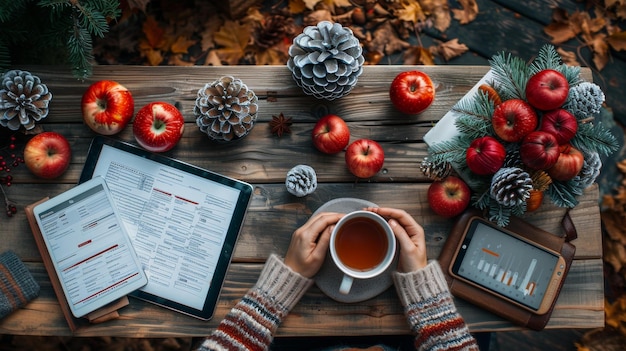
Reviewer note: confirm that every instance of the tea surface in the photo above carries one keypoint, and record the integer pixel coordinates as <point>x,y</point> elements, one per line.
<point>361,244</point>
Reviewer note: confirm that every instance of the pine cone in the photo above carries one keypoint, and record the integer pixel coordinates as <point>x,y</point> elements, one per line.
<point>592,165</point>
<point>301,180</point>
<point>435,171</point>
<point>226,109</point>
<point>23,100</point>
<point>326,60</point>
<point>276,27</point>
<point>511,186</point>
<point>584,99</point>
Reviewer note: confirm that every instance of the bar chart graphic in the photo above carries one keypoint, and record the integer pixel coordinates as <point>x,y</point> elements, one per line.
<point>507,265</point>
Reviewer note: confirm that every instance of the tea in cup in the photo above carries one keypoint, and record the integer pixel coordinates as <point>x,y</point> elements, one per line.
<point>362,246</point>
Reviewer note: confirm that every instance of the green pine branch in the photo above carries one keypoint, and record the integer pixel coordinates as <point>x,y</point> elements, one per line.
<point>510,76</point>
<point>474,120</point>
<point>595,137</point>
<point>563,194</point>
<point>549,58</point>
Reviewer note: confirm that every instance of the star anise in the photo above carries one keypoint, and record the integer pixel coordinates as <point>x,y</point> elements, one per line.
<point>280,125</point>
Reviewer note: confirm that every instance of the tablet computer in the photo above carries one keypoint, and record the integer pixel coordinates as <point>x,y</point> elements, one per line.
<point>89,247</point>
<point>183,222</point>
<point>504,263</point>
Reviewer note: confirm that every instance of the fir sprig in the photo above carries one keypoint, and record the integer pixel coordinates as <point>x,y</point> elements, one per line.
<point>474,120</point>
<point>69,24</point>
<point>595,137</point>
<point>510,76</point>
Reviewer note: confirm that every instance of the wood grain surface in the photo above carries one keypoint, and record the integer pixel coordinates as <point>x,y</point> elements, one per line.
<point>263,160</point>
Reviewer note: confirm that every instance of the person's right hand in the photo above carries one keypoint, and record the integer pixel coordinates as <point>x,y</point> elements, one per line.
<point>310,242</point>
<point>410,236</point>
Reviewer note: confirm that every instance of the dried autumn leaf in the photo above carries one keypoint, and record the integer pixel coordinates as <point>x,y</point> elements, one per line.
<point>439,12</point>
<point>310,4</point>
<point>468,12</point>
<point>451,49</point>
<point>155,35</point>
<point>418,55</point>
<point>386,40</point>
<point>233,37</point>
<point>181,45</point>
<point>410,11</point>
<point>560,29</point>
<point>617,40</point>
<point>296,6</point>
<point>568,57</point>
<point>600,50</point>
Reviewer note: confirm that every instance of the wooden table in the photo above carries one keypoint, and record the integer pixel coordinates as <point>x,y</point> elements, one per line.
<point>263,160</point>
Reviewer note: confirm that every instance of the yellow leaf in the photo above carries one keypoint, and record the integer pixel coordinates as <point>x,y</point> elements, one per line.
<point>154,57</point>
<point>296,6</point>
<point>451,49</point>
<point>233,37</point>
<point>411,11</point>
<point>617,40</point>
<point>181,45</point>
<point>468,13</point>
<point>310,4</point>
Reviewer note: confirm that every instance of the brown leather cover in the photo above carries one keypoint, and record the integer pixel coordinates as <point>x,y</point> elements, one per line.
<point>102,314</point>
<point>493,303</point>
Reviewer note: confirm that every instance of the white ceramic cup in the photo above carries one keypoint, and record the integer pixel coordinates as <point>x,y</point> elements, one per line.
<point>349,273</point>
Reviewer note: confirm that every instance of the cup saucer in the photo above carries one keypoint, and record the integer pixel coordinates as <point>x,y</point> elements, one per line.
<point>329,276</point>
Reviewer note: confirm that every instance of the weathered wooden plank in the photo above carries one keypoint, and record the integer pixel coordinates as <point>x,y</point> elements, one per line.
<point>277,212</point>
<point>308,318</point>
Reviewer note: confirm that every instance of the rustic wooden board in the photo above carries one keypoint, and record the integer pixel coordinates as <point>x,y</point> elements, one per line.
<point>263,160</point>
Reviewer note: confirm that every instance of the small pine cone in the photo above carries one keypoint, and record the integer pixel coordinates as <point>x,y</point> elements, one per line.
<point>584,100</point>
<point>435,171</point>
<point>512,158</point>
<point>275,28</point>
<point>24,100</point>
<point>591,169</point>
<point>301,180</point>
<point>226,109</point>
<point>511,186</point>
<point>326,60</point>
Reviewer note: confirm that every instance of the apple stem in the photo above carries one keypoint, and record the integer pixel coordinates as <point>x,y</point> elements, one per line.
<point>102,103</point>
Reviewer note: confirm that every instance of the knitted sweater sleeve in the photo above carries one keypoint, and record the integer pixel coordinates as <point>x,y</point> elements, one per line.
<point>430,310</point>
<point>251,324</point>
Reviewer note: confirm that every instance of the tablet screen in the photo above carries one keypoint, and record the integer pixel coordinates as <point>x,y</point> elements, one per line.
<point>505,264</point>
<point>183,222</point>
<point>89,248</point>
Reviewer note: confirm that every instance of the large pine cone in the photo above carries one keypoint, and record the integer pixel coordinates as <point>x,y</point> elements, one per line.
<point>326,60</point>
<point>511,186</point>
<point>301,180</point>
<point>23,100</point>
<point>226,109</point>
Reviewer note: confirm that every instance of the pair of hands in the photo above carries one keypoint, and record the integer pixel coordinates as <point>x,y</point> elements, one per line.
<point>310,242</point>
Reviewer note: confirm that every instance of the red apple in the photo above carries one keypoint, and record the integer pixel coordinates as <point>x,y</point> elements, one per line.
<point>107,107</point>
<point>411,92</point>
<point>47,155</point>
<point>364,158</point>
<point>539,150</point>
<point>448,197</point>
<point>513,119</point>
<point>331,134</point>
<point>561,123</point>
<point>485,155</point>
<point>547,90</point>
<point>568,165</point>
<point>158,126</point>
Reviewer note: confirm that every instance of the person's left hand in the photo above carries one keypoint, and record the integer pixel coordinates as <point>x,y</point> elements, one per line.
<point>309,244</point>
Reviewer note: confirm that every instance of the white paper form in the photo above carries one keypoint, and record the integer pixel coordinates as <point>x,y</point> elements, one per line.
<point>86,241</point>
<point>177,222</point>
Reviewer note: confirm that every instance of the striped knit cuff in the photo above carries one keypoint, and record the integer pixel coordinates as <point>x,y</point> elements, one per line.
<point>17,285</point>
<point>420,285</point>
<point>279,283</point>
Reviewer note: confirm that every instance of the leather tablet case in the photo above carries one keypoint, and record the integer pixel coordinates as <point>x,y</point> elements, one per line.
<point>495,304</point>
<point>100,315</point>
